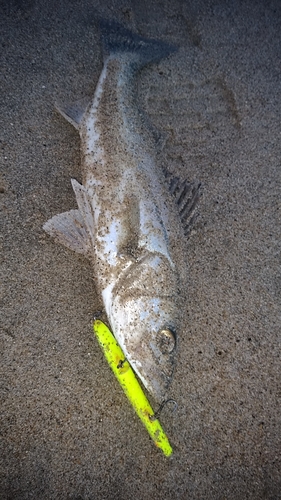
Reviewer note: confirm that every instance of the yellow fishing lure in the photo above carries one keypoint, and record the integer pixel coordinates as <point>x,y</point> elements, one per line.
<point>127,379</point>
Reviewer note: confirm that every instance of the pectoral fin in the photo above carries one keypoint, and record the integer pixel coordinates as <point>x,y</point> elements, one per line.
<point>74,229</point>
<point>84,205</point>
<point>69,229</point>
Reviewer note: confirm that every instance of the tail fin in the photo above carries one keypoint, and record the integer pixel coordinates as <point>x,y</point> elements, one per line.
<point>117,38</point>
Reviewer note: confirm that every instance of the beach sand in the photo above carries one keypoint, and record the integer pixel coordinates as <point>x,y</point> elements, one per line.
<point>68,431</point>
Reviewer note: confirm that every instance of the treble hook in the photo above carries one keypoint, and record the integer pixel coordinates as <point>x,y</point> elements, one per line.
<point>157,413</point>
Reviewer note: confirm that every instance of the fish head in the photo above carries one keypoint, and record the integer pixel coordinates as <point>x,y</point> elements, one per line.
<point>145,328</point>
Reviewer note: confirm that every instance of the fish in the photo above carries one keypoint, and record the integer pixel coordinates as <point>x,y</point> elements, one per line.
<point>131,215</point>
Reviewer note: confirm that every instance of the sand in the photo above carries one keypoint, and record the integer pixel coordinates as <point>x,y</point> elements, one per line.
<point>68,430</point>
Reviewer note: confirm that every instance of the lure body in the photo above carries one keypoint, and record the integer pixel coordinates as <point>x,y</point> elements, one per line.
<point>126,377</point>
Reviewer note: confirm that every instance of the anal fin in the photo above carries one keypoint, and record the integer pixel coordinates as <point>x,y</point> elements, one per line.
<point>68,228</point>
<point>74,113</point>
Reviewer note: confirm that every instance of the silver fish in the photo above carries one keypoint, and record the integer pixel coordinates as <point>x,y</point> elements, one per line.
<point>127,223</point>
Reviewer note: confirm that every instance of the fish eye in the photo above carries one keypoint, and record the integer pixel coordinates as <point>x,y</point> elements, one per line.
<point>166,340</point>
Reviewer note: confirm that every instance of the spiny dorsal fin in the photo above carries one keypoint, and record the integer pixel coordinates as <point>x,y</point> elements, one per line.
<point>186,196</point>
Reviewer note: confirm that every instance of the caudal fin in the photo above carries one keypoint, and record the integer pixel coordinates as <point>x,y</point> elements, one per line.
<point>116,38</point>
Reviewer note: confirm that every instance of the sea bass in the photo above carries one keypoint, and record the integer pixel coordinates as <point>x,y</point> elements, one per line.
<point>127,222</point>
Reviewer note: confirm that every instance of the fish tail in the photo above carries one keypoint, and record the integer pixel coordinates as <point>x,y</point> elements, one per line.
<point>118,39</point>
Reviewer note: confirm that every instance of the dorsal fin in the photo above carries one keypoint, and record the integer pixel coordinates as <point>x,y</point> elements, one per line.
<point>186,196</point>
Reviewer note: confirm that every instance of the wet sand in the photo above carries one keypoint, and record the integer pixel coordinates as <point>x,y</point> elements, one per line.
<point>68,430</point>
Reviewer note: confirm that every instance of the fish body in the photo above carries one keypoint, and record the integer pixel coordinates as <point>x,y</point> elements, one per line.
<point>127,223</point>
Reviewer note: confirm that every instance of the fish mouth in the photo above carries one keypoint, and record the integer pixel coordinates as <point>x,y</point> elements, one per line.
<point>156,381</point>
<point>153,360</point>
